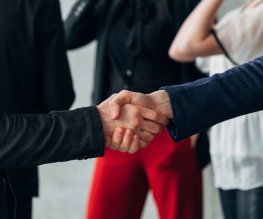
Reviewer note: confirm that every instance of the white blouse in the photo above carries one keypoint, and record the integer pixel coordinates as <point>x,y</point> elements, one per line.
<point>237,144</point>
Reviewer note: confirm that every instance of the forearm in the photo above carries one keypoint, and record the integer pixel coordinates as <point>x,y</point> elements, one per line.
<point>31,140</point>
<point>195,29</point>
<point>206,102</point>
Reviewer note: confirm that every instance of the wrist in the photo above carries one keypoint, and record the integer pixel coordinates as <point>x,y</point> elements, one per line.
<point>107,122</point>
<point>163,103</point>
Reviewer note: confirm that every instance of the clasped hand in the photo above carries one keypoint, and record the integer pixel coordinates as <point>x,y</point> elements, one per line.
<point>131,120</point>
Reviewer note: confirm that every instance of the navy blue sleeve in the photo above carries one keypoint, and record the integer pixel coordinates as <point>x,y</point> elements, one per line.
<point>209,101</point>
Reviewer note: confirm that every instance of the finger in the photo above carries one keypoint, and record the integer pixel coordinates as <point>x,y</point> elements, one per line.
<point>124,97</point>
<point>117,138</point>
<point>143,144</point>
<point>193,140</point>
<point>107,141</point>
<point>134,144</point>
<point>126,142</point>
<point>146,136</point>
<point>151,126</point>
<point>154,116</point>
<point>112,96</point>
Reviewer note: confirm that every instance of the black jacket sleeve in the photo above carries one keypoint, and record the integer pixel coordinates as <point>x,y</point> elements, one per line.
<point>82,23</point>
<point>31,140</point>
<point>206,102</point>
<point>56,88</point>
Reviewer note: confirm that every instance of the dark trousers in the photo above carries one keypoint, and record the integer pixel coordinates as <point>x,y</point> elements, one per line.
<point>238,204</point>
<point>24,207</point>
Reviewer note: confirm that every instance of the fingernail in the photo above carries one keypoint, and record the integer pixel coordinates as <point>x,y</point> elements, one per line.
<point>135,137</point>
<point>120,132</point>
<point>113,114</point>
<point>128,133</point>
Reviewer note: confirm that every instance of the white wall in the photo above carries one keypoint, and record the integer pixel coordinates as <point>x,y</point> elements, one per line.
<point>64,186</point>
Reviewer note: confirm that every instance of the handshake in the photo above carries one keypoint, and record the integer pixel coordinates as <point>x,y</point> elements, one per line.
<point>131,120</point>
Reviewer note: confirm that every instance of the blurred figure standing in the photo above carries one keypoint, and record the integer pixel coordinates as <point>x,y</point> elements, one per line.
<point>236,144</point>
<point>34,74</point>
<point>134,37</point>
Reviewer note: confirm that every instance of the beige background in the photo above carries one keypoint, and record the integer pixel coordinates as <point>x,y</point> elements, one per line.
<point>64,187</point>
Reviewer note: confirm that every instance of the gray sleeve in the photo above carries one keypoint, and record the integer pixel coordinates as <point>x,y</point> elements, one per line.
<point>32,140</point>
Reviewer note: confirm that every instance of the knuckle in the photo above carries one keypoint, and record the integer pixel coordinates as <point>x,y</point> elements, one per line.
<point>123,149</point>
<point>159,129</point>
<point>111,98</point>
<point>124,92</point>
<point>133,150</point>
<point>113,95</point>
<point>135,123</point>
<point>113,147</point>
<point>156,129</point>
<point>136,111</point>
<point>142,144</point>
<point>155,116</point>
<point>151,137</point>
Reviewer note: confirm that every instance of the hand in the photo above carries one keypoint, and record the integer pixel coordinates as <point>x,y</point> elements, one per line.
<point>158,101</point>
<point>125,141</point>
<point>131,117</point>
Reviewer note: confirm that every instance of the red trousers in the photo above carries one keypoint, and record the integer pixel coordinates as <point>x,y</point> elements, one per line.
<point>121,182</point>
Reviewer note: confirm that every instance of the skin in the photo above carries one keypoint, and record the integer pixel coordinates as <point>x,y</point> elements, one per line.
<point>194,38</point>
<point>138,126</point>
<point>158,101</point>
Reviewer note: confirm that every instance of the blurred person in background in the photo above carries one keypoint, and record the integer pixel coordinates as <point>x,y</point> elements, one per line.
<point>237,144</point>
<point>34,74</point>
<point>134,37</point>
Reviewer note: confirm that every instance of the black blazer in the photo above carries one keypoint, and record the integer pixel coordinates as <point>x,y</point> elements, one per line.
<point>34,71</point>
<point>31,140</point>
<point>207,102</point>
<point>91,20</point>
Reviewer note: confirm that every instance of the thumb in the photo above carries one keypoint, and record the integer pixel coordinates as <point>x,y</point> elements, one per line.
<point>124,97</point>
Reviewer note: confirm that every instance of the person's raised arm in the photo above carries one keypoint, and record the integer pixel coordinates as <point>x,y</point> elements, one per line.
<point>194,37</point>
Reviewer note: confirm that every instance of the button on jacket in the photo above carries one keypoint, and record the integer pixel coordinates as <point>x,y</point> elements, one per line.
<point>32,140</point>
